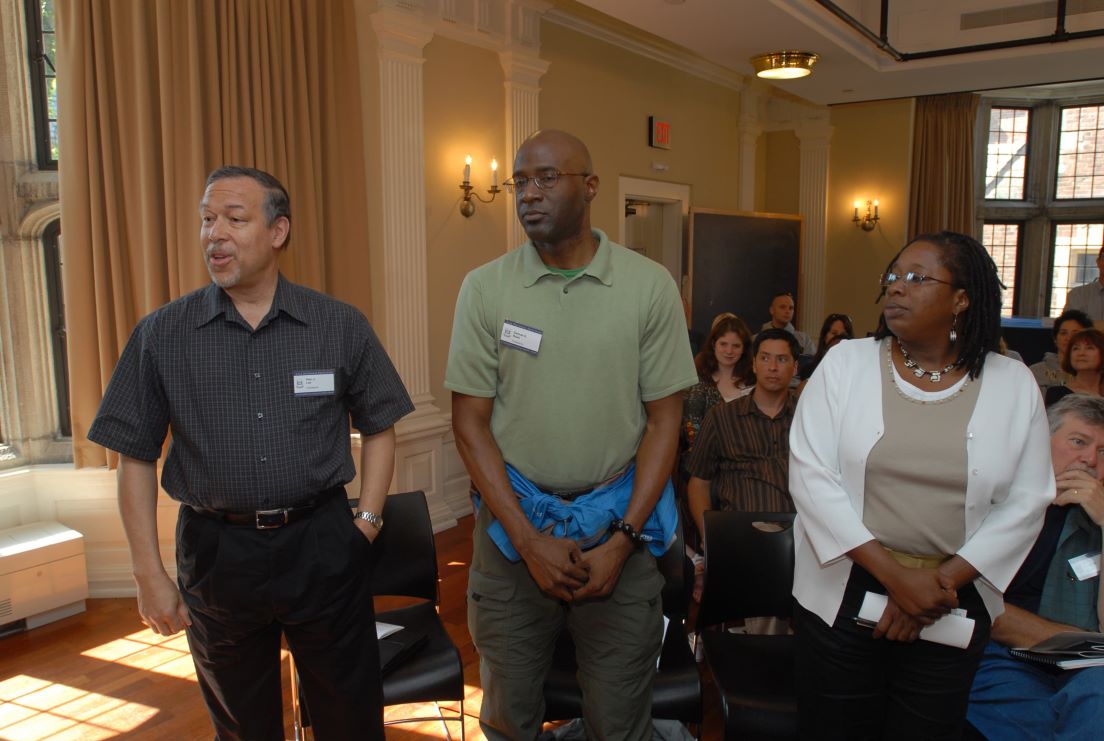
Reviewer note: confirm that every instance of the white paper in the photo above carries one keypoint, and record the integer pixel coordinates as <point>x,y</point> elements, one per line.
<point>949,630</point>
<point>1085,566</point>
<point>386,629</point>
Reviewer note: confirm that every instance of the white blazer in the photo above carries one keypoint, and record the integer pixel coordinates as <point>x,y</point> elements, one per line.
<point>837,423</point>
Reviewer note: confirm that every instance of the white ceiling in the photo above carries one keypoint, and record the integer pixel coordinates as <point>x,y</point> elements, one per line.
<point>851,68</point>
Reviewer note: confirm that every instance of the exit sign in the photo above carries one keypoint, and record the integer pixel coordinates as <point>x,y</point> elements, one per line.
<point>659,133</point>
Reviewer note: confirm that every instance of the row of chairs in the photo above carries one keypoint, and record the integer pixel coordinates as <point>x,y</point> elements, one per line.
<point>748,573</point>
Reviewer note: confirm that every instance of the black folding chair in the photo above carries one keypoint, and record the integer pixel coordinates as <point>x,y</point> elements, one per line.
<point>749,573</point>
<point>405,565</point>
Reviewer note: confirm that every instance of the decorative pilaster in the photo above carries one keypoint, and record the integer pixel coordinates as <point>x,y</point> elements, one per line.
<point>521,73</point>
<point>748,132</point>
<point>814,140</point>
<point>419,459</point>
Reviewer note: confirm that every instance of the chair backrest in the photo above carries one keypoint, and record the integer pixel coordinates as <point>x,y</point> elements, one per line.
<point>678,575</point>
<point>748,572</point>
<point>404,555</point>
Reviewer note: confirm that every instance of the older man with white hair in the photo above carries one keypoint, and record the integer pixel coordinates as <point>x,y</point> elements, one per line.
<point>1056,590</point>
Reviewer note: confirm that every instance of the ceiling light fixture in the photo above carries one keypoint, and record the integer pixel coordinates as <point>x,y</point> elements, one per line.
<point>784,65</point>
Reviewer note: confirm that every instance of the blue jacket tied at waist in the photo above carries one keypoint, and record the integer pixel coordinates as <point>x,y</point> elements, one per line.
<point>587,518</point>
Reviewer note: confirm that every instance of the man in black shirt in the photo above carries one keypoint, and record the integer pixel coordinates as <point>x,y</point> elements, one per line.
<point>258,379</point>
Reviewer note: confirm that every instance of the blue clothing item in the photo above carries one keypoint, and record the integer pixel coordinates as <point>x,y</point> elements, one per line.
<point>1013,699</point>
<point>587,518</point>
<point>1067,599</point>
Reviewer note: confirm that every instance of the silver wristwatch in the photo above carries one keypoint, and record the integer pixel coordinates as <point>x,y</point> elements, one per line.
<point>373,519</point>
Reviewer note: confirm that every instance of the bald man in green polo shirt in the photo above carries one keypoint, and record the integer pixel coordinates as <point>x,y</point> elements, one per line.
<point>567,363</point>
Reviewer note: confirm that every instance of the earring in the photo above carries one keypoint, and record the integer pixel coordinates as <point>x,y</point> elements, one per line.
<point>954,333</point>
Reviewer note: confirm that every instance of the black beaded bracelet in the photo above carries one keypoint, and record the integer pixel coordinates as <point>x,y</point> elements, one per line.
<point>620,526</point>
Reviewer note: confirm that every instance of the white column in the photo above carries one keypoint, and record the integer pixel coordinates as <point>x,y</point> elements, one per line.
<point>748,131</point>
<point>521,73</point>
<point>813,206</point>
<point>419,460</point>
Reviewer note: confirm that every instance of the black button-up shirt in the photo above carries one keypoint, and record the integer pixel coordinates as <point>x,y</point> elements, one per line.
<point>243,439</point>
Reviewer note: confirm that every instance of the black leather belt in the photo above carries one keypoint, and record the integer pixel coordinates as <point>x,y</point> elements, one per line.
<point>270,519</point>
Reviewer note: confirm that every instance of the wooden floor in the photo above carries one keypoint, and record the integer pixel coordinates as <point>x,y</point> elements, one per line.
<point>101,674</point>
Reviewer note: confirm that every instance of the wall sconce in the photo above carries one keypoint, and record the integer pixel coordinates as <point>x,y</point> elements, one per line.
<point>867,221</point>
<point>467,207</point>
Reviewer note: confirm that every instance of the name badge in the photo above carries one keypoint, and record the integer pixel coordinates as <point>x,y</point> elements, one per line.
<point>1085,566</point>
<point>527,339</point>
<point>314,383</point>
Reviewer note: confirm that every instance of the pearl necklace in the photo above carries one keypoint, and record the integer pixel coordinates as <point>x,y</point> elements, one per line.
<point>933,376</point>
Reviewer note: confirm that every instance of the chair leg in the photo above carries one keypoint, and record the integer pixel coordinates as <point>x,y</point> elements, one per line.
<point>296,711</point>
<point>444,721</point>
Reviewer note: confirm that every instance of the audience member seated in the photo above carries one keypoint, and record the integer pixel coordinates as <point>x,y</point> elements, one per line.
<point>836,329</point>
<point>1048,371</point>
<point>724,374</point>
<point>1012,698</point>
<point>1082,361</point>
<point>781,313</point>
<point>741,460</point>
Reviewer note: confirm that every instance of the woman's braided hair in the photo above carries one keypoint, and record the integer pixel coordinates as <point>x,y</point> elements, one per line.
<point>972,269</point>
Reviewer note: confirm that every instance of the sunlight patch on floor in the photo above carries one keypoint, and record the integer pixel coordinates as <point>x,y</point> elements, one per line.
<point>33,709</point>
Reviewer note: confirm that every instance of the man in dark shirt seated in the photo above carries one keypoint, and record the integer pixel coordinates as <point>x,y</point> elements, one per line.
<point>1056,590</point>
<point>741,459</point>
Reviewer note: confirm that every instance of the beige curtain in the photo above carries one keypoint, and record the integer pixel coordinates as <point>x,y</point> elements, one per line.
<point>942,194</point>
<point>153,95</point>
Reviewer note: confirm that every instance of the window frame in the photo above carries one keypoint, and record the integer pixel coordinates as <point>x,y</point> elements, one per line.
<point>1018,272</point>
<point>1039,210</point>
<point>36,61</point>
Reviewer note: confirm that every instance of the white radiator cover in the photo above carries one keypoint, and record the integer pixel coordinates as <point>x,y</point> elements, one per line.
<point>42,573</point>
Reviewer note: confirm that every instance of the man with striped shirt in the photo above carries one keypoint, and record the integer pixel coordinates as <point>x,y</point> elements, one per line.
<point>741,457</point>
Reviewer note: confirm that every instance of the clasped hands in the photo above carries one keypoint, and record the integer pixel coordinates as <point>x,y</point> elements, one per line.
<point>917,598</point>
<point>564,571</point>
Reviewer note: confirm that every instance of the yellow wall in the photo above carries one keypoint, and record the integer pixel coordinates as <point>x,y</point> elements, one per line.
<point>464,114</point>
<point>599,92</point>
<point>870,158</point>
<point>781,153</point>
<point>604,95</point>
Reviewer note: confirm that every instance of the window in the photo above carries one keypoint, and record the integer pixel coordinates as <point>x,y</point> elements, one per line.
<point>1042,199</point>
<point>1081,153</point>
<point>1006,159</point>
<point>51,248</point>
<point>1003,243</point>
<point>1075,249</point>
<point>42,45</point>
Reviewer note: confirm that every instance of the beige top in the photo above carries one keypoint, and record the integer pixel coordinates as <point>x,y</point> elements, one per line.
<point>915,494</point>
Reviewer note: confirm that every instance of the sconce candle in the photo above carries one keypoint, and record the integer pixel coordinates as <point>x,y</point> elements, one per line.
<point>467,204</point>
<point>868,220</point>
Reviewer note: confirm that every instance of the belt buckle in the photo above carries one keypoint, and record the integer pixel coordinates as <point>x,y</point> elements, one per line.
<point>270,519</point>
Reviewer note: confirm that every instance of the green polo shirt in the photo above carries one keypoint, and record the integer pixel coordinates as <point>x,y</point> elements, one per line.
<point>572,413</point>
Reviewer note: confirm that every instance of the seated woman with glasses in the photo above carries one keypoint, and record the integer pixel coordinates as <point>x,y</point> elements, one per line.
<point>920,468</point>
<point>1082,361</point>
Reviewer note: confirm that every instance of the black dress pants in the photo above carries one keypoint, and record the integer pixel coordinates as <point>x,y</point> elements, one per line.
<point>852,687</point>
<point>309,580</point>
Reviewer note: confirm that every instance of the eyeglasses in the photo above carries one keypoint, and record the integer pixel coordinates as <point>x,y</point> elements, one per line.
<point>911,279</point>
<point>544,181</point>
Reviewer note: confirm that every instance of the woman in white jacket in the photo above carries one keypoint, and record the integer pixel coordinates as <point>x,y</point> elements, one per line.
<point>920,466</point>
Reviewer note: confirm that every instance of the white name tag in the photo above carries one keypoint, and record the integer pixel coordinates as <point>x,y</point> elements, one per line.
<point>1085,566</point>
<point>314,383</point>
<point>521,337</point>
